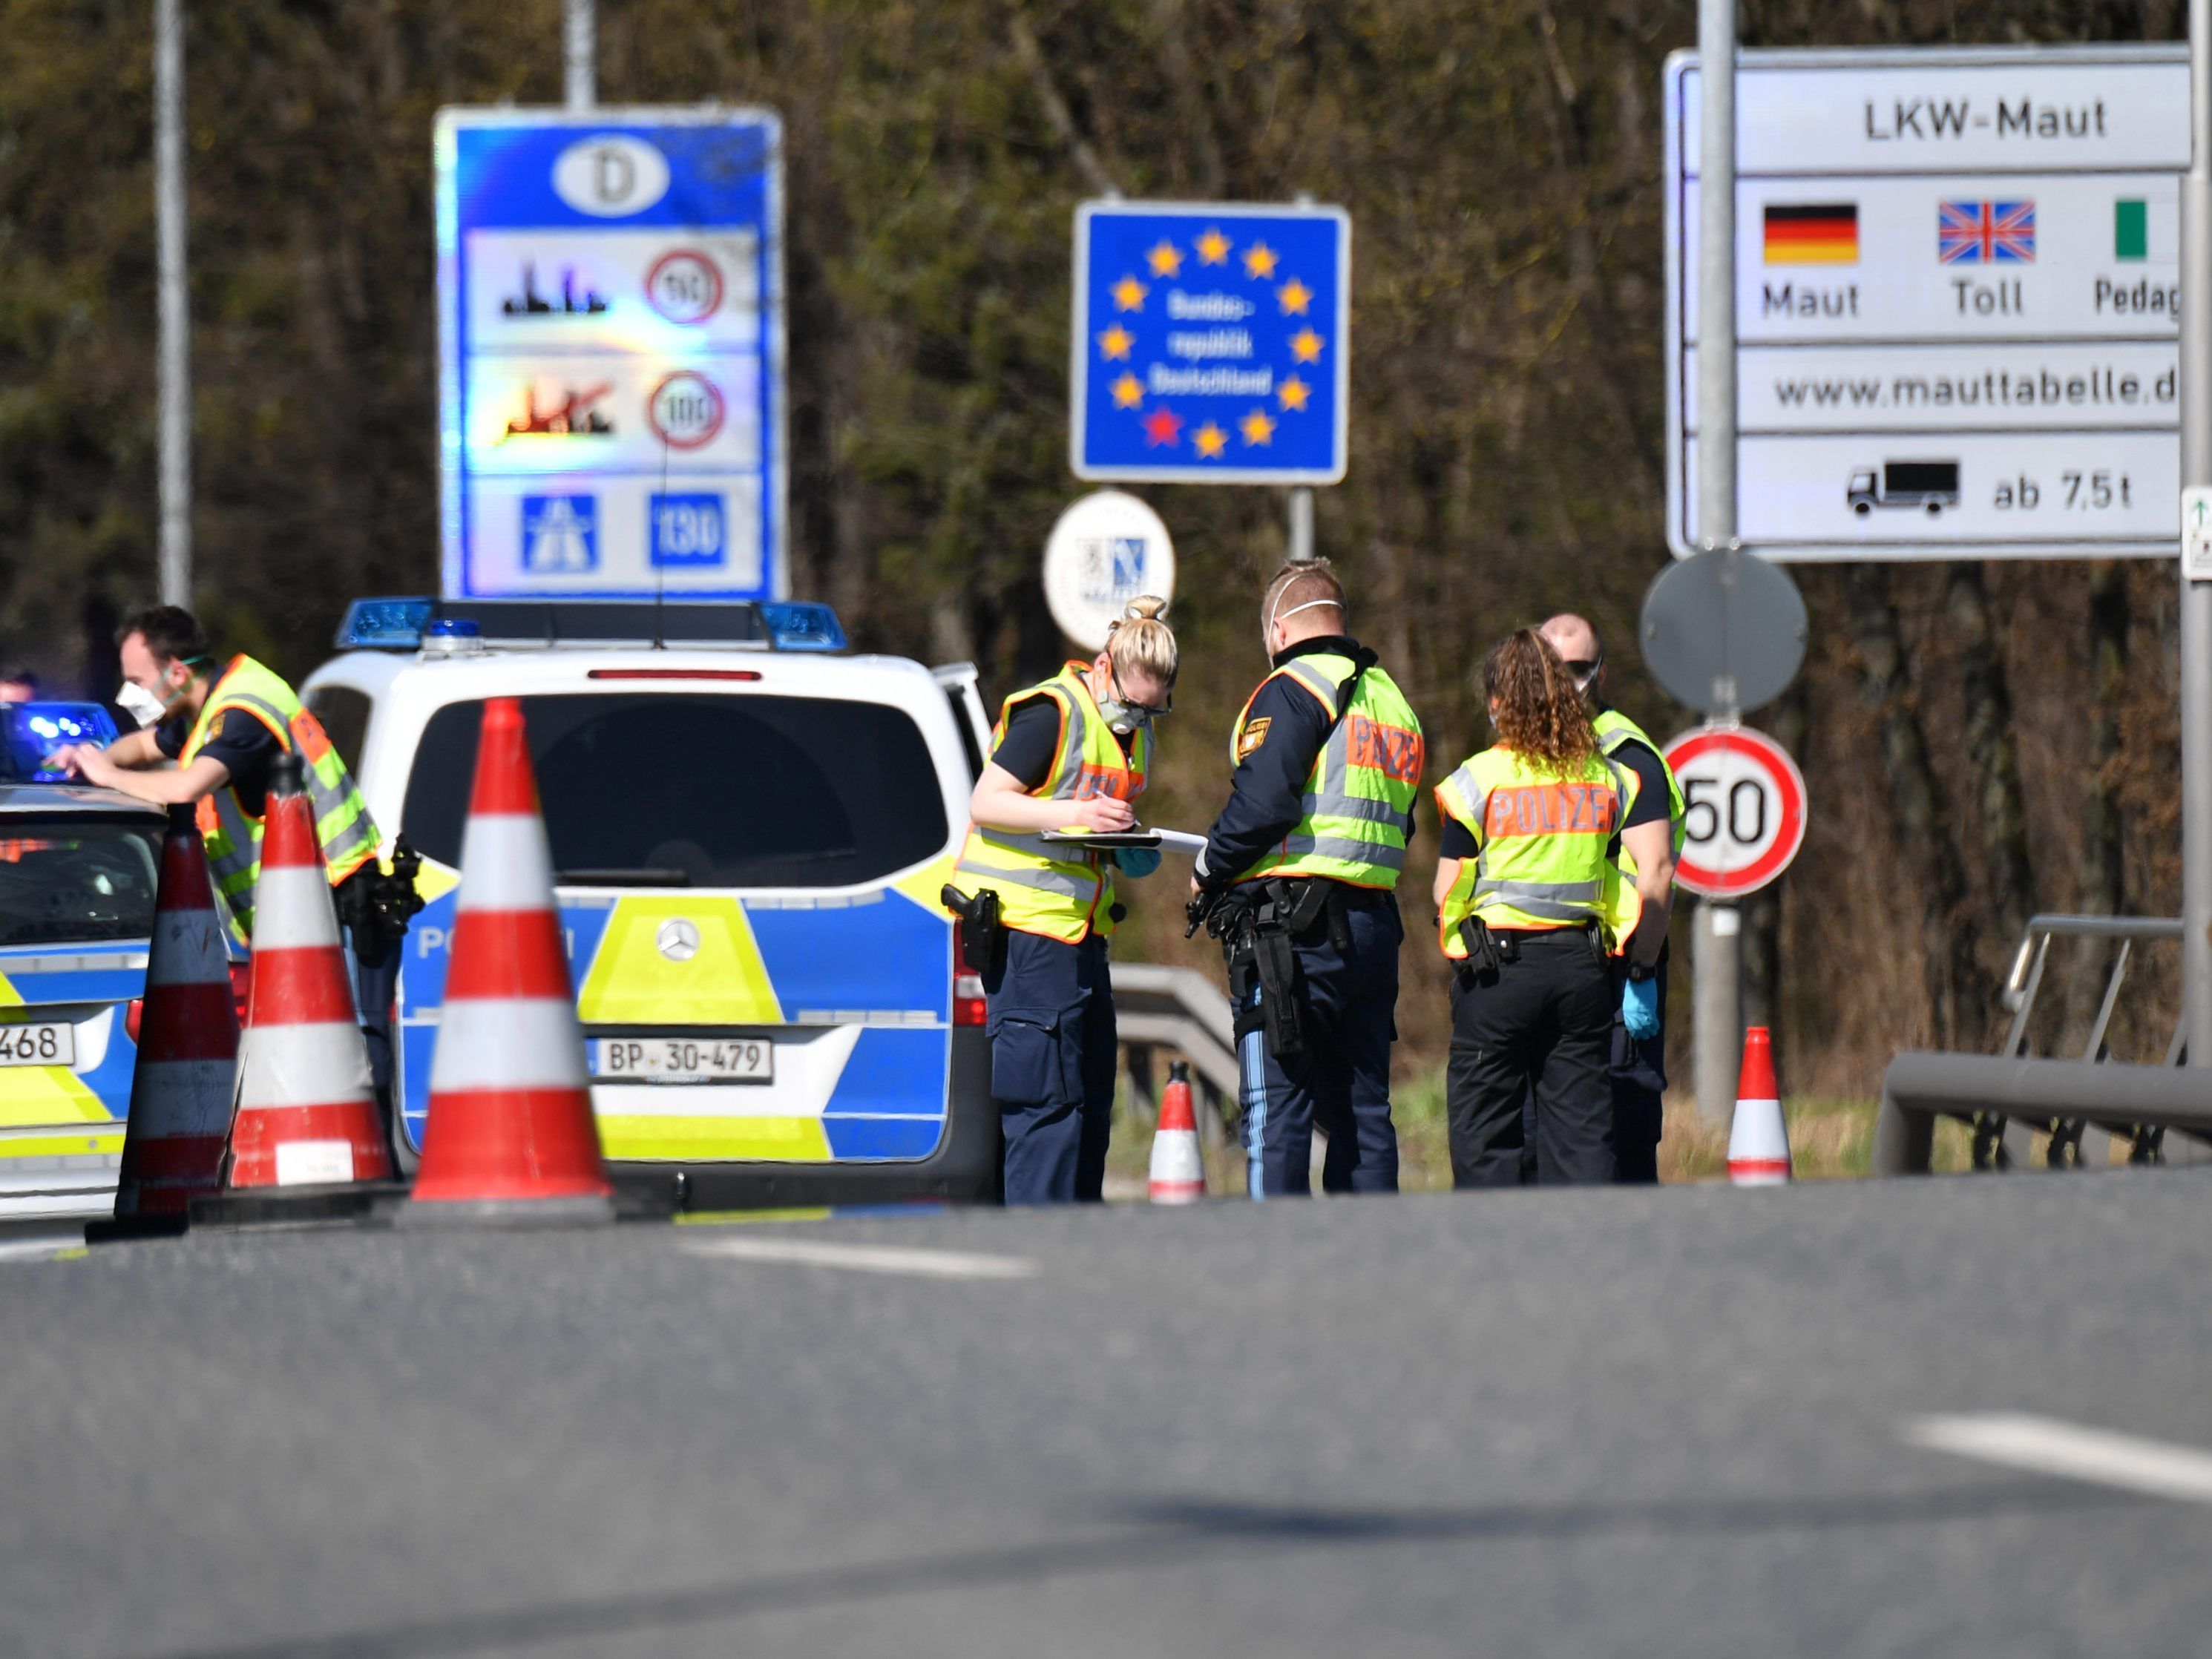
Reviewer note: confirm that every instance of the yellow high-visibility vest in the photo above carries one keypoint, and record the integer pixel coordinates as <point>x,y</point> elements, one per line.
<point>1361,790</point>
<point>1623,905</point>
<point>1541,839</point>
<point>343,829</point>
<point>1048,888</point>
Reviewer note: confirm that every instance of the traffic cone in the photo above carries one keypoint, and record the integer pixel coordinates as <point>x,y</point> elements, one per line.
<point>511,1136</point>
<point>307,1115</point>
<point>181,1092</point>
<point>1758,1140</point>
<point>1178,1172</point>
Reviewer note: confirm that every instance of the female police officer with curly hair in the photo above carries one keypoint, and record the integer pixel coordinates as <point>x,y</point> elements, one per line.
<point>1071,753</point>
<point>1522,895</point>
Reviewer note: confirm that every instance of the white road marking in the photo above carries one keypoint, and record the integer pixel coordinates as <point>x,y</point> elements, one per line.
<point>869,1258</point>
<point>2046,1445</point>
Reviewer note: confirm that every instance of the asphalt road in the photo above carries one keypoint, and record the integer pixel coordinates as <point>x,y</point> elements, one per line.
<point>1544,1423</point>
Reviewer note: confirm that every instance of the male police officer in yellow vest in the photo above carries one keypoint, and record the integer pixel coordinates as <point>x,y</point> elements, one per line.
<point>1297,879</point>
<point>224,728</point>
<point>1650,841</point>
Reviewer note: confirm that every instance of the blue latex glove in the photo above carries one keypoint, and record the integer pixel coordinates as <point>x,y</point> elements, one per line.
<point>1137,860</point>
<point>1639,1008</point>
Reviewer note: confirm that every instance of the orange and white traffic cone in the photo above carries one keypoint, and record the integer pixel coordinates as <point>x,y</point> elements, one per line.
<point>1178,1171</point>
<point>307,1115</point>
<point>181,1093</point>
<point>511,1136</point>
<point>1758,1140</point>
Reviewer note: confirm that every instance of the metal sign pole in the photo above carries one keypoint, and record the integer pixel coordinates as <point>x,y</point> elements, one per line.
<point>175,371</point>
<point>1719,944</point>
<point>2196,594</point>
<point>1302,545</point>
<point>580,55</point>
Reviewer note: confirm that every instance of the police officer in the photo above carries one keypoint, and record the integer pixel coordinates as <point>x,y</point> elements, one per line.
<point>1520,892</point>
<point>1072,753</point>
<point>224,726</point>
<point>1650,841</point>
<point>1299,879</point>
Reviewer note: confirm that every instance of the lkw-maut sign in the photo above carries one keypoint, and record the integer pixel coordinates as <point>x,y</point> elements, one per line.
<point>1957,281</point>
<point>611,327</point>
<point>1211,343</point>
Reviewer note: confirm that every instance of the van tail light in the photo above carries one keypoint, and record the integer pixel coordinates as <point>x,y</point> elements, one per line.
<point>967,985</point>
<point>241,991</point>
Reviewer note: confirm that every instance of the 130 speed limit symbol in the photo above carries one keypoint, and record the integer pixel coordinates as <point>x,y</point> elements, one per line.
<point>1743,802</point>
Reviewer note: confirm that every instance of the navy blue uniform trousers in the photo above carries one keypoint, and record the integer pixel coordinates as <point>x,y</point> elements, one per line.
<point>1050,1013</point>
<point>1544,1026</point>
<point>1342,1080</point>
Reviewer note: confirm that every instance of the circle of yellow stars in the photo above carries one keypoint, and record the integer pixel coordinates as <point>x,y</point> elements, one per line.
<point>1292,394</point>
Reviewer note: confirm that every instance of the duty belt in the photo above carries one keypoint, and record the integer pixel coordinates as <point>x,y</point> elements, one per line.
<point>1257,924</point>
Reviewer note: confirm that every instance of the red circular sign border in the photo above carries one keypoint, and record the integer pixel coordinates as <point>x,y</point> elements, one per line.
<point>712,270</point>
<point>721,410</point>
<point>1790,785</point>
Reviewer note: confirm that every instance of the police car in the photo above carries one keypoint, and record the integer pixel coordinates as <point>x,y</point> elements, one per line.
<point>750,829</point>
<point>79,866</point>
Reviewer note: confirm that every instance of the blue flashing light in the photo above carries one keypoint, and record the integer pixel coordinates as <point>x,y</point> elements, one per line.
<point>803,625</point>
<point>454,628</point>
<point>394,624</point>
<point>34,731</point>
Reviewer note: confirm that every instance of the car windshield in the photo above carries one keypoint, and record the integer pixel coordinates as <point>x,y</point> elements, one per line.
<point>701,790</point>
<point>70,878</point>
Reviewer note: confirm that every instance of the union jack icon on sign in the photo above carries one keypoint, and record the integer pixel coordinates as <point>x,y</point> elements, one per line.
<point>1985,232</point>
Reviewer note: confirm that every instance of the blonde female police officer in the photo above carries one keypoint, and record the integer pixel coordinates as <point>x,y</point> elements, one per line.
<point>1072,753</point>
<point>1523,898</point>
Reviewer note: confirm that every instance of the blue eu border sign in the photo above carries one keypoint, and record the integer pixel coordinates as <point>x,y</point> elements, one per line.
<point>610,353</point>
<point>1211,343</point>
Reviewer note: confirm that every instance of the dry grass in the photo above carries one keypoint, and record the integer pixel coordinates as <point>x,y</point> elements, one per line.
<point>1829,1140</point>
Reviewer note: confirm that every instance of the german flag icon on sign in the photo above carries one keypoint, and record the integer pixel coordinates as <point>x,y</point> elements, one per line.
<point>1812,233</point>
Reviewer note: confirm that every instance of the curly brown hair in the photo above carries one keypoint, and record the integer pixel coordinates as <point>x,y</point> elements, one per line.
<point>1533,704</point>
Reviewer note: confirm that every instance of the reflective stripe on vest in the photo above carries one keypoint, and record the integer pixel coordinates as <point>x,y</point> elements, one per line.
<point>1542,839</point>
<point>1046,887</point>
<point>1358,796</point>
<point>343,829</point>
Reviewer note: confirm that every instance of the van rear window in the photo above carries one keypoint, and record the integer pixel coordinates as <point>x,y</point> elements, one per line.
<point>71,878</point>
<point>701,790</point>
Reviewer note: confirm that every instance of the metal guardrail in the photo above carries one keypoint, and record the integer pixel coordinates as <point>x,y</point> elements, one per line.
<point>1182,1009</point>
<point>2007,1098</point>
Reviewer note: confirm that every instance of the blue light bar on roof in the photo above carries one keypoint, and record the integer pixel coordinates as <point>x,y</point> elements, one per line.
<point>29,731</point>
<point>803,625</point>
<point>394,624</point>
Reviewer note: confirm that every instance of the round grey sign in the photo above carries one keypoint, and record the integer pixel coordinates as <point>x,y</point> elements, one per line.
<point>1724,631</point>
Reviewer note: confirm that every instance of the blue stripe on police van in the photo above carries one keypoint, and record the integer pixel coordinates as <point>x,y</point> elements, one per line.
<point>891,958</point>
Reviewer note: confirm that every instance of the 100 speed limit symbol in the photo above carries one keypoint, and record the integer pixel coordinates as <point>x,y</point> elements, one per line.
<point>1743,802</point>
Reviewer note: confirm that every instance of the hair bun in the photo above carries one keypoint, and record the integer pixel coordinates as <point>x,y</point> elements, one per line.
<point>1146,607</point>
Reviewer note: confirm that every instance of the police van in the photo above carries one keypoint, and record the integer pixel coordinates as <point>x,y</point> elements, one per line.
<point>749,828</point>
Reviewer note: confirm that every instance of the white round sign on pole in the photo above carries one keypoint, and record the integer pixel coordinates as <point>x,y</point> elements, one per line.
<point>1744,810</point>
<point>1105,550</point>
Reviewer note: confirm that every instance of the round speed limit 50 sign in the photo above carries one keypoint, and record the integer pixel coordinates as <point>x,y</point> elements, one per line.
<point>1743,802</point>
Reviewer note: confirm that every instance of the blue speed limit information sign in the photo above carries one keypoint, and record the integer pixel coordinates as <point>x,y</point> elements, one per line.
<point>1211,343</point>
<point>1744,810</point>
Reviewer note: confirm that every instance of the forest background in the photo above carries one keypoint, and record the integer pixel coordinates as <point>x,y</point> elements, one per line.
<point>1981,740</point>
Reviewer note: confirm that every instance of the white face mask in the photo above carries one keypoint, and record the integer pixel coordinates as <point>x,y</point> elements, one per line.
<point>1268,633</point>
<point>142,705</point>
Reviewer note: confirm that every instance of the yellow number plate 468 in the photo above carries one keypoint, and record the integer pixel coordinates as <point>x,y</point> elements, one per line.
<point>53,1043</point>
<point>684,1060</point>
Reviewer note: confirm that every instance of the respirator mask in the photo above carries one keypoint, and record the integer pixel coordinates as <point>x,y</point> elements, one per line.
<point>145,706</point>
<point>1585,673</point>
<point>1125,719</point>
<point>1268,628</point>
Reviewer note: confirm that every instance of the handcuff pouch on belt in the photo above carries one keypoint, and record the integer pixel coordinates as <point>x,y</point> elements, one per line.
<point>982,936</point>
<point>1485,952</point>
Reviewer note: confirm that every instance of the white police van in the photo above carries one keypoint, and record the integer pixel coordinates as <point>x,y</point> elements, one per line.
<point>749,830</point>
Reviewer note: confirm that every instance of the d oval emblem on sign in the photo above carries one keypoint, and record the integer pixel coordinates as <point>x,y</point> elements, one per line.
<point>610,175</point>
<point>1105,550</point>
<point>1744,810</point>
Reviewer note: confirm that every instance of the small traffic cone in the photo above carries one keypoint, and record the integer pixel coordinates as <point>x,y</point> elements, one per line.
<point>1758,1140</point>
<point>1178,1171</point>
<point>511,1136</point>
<point>307,1115</point>
<point>181,1092</point>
